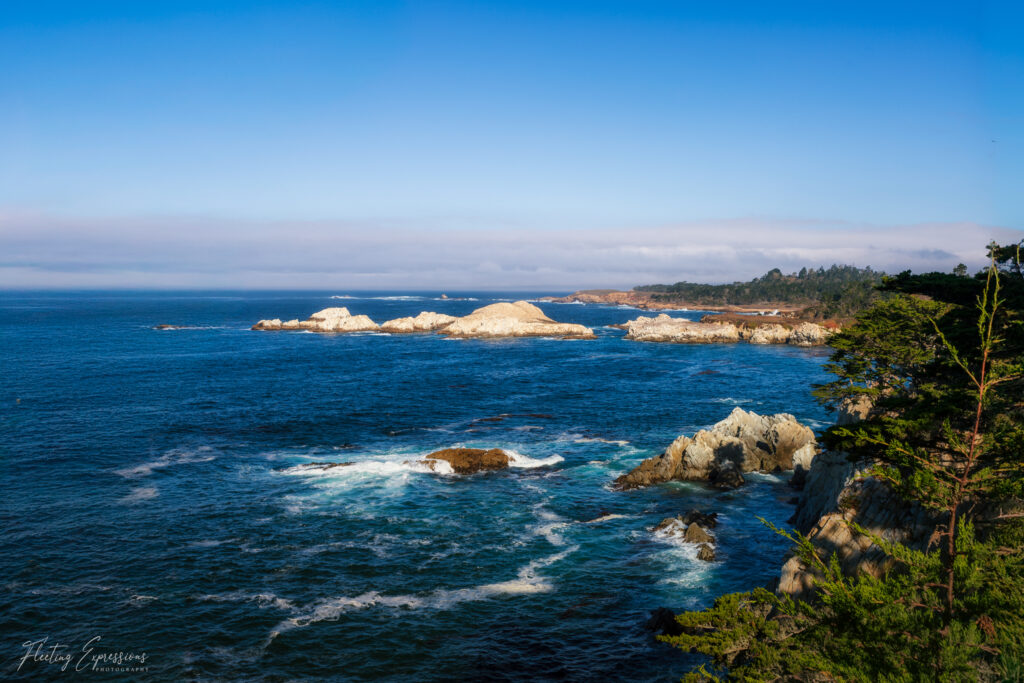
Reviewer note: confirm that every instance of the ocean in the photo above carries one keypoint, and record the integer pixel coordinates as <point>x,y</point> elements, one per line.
<point>157,491</point>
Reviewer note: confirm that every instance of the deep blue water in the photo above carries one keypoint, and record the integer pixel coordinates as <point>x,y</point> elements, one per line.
<point>151,495</point>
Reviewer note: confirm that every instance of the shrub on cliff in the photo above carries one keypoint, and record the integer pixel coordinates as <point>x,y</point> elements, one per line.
<point>947,381</point>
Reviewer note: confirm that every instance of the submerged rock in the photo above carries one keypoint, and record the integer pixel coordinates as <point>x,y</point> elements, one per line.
<point>471,460</point>
<point>663,622</point>
<point>427,321</point>
<point>328,320</point>
<point>742,442</point>
<point>519,319</point>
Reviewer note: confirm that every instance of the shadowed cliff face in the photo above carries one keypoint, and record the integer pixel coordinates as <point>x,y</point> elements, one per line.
<point>837,493</point>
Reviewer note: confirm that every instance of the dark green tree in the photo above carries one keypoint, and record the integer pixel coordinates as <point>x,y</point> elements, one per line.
<point>946,377</point>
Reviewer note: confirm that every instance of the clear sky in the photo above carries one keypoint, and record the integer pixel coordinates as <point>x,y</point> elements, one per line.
<point>394,144</point>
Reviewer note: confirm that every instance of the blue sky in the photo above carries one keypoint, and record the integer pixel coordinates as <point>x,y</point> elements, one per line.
<point>138,138</point>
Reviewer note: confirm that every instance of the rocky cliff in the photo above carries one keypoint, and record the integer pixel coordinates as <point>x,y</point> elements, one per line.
<point>838,492</point>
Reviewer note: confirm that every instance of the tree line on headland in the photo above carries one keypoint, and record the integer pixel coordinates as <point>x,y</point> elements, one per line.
<point>833,292</point>
<point>939,360</point>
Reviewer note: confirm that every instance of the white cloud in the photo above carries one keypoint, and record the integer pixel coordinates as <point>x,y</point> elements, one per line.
<point>47,251</point>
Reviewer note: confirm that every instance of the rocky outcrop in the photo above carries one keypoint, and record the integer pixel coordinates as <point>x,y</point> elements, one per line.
<point>472,460</point>
<point>742,442</point>
<point>328,320</point>
<point>665,328</point>
<point>769,334</point>
<point>427,321</point>
<point>519,319</point>
<point>809,334</point>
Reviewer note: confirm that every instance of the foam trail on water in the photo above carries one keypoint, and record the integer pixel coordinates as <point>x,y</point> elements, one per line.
<point>527,582</point>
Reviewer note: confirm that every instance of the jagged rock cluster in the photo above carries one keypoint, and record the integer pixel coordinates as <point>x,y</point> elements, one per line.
<point>503,319</point>
<point>665,328</point>
<point>692,528</point>
<point>742,442</point>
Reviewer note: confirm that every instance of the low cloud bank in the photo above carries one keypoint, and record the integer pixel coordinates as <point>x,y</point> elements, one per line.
<point>52,252</point>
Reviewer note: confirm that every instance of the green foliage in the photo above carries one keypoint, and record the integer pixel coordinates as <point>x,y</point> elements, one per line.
<point>942,361</point>
<point>839,291</point>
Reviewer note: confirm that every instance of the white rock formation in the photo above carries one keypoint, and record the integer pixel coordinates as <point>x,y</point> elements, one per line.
<point>769,334</point>
<point>665,328</point>
<point>809,334</point>
<point>327,320</point>
<point>519,319</point>
<point>742,442</point>
<point>427,321</point>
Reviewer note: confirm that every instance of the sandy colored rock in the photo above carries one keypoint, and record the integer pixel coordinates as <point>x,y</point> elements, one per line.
<point>665,328</point>
<point>769,334</point>
<point>427,321</point>
<point>471,460</point>
<point>337,319</point>
<point>706,553</point>
<point>809,334</point>
<point>518,319</point>
<point>694,534</point>
<point>746,441</point>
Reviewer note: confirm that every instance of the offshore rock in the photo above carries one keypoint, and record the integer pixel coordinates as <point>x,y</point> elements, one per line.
<point>472,460</point>
<point>328,320</point>
<point>665,328</point>
<point>742,442</point>
<point>694,534</point>
<point>427,321</point>
<point>519,319</point>
<point>706,553</point>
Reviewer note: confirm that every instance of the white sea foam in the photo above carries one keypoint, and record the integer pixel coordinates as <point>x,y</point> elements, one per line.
<point>594,439</point>
<point>262,600</point>
<point>608,518</point>
<point>527,582</point>
<point>380,468</point>
<point>139,495</point>
<point>176,456</point>
<point>516,459</point>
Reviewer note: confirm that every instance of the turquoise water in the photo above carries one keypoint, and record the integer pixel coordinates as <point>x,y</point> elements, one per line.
<point>154,493</point>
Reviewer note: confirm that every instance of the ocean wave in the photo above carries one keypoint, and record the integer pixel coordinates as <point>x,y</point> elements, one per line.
<point>384,468</point>
<point>172,328</point>
<point>176,456</point>
<point>518,460</point>
<point>607,518</point>
<point>138,495</point>
<point>262,600</point>
<point>528,581</point>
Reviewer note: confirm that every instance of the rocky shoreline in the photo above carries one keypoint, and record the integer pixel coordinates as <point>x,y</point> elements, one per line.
<point>665,328</point>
